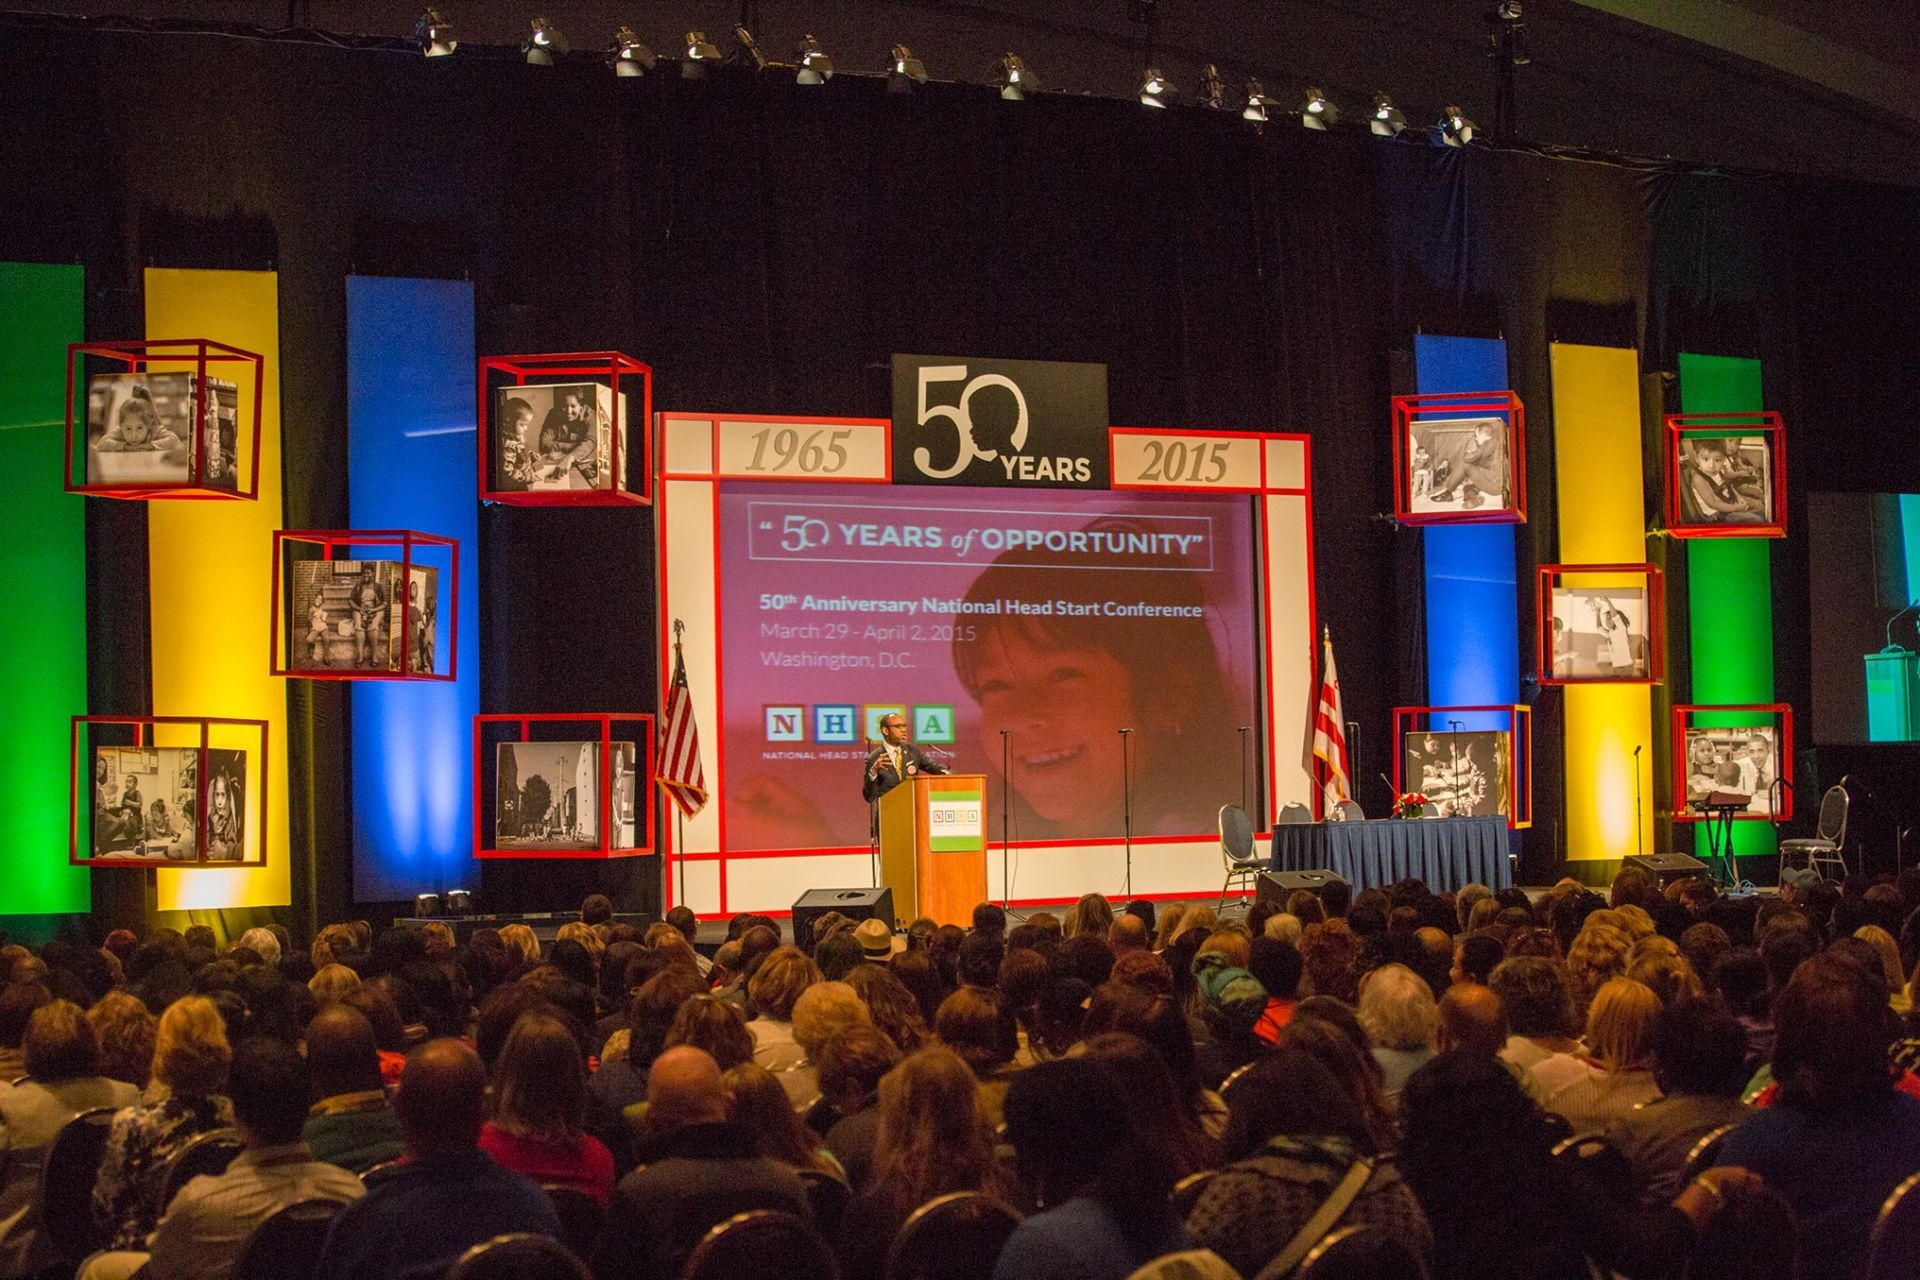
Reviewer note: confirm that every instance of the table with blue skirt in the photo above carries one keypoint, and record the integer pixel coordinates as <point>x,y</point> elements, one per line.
<point>1444,852</point>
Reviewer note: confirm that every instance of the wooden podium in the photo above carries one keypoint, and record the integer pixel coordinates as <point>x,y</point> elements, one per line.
<point>933,846</point>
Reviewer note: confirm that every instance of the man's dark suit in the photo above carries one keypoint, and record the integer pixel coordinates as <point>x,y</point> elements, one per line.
<point>912,760</point>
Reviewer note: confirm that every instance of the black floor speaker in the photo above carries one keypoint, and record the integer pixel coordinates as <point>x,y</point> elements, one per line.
<point>855,904</point>
<point>1278,886</point>
<point>1665,867</point>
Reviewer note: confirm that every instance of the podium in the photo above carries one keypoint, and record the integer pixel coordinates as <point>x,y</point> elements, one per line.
<point>933,846</point>
<point>1893,695</point>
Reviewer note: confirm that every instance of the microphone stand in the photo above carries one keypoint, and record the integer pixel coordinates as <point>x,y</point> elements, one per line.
<point>1006,815</point>
<point>1912,605</point>
<point>1639,837</point>
<point>1126,800</point>
<point>1244,729</point>
<point>873,824</point>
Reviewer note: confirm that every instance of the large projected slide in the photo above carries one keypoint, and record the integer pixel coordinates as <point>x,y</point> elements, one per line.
<point>1059,618</point>
<point>1864,561</point>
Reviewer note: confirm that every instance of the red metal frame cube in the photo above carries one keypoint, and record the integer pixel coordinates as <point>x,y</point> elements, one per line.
<point>143,732</point>
<point>604,366</point>
<point>1707,426</point>
<point>1450,404</point>
<point>196,354</point>
<point>331,540</point>
<point>1519,751</point>
<point>1655,584</point>
<point>1683,717</point>
<point>485,730</point>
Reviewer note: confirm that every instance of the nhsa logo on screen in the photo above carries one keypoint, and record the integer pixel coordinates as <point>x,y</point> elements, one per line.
<point>847,724</point>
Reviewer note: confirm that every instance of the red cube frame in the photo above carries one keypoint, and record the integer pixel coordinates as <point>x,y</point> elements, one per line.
<point>610,366</point>
<point>331,540</point>
<point>1783,722</point>
<point>137,355</point>
<point>604,721</point>
<point>1501,404</point>
<point>1708,426</point>
<point>1548,574</point>
<point>143,727</point>
<point>1519,751</point>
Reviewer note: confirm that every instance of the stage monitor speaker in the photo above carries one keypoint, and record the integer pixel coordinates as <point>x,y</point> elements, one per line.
<point>1666,867</point>
<point>1278,886</point>
<point>855,904</point>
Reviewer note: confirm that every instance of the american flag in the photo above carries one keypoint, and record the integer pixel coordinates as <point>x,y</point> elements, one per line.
<point>1330,738</point>
<point>680,774</point>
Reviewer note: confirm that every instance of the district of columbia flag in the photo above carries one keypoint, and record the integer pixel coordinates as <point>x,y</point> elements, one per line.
<point>679,773</point>
<point>1330,737</point>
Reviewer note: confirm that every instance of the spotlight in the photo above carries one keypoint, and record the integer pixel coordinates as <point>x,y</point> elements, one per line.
<point>699,52</point>
<point>1455,129</point>
<point>627,56</point>
<point>815,66</point>
<point>434,34</point>
<point>426,905</point>
<point>904,71</point>
<point>1258,103</point>
<point>543,43</point>
<point>1317,112</point>
<point>1213,90</point>
<point>1155,89</point>
<point>1016,81</point>
<point>459,902</point>
<point>749,48</point>
<point>1387,120</point>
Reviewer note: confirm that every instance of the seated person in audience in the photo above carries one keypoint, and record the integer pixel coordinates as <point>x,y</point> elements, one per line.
<point>1470,1020</point>
<point>1534,994</point>
<point>851,1064</point>
<point>190,1057</point>
<point>822,1012</point>
<point>351,1123</point>
<point>697,1170</point>
<point>758,1105</point>
<point>708,1022</point>
<point>539,1110</point>
<point>772,991</point>
<point>1615,1073</point>
<point>1398,1014</point>
<point>1106,1203</point>
<point>1475,958</point>
<point>18,999</point>
<point>972,1023</point>
<point>933,1139</point>
<point>62,1059</point>
<point>446,1195</point>
<point>1839,1137</point>
<point>1232,1002</point>
<point>1129,933</point>
<point>1294,1135</point>
<point>650,1013</point>
<point>1277,967</point>
<point>1697,1059</point>
<point>205,1230</point>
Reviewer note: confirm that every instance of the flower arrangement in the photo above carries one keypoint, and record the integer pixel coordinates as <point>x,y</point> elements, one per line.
<point>1411,804</point>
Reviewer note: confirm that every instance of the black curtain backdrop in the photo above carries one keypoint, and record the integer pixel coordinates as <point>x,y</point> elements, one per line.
<point>767,247</point>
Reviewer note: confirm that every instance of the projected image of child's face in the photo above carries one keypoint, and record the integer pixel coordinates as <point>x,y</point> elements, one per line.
<point>1064,709</point>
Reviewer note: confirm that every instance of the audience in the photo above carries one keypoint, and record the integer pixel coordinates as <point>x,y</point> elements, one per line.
<point>1698,1052</point>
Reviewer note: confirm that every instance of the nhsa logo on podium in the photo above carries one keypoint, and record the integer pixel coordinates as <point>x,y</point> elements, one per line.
<point>1007,423</point>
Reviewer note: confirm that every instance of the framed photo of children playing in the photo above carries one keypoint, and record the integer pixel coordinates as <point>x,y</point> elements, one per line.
<point>1726,475</point>
<point>341,614</point>
<point>1458,459</point>
<point>555,436</point>
<point>1600,624</point>
<point>167,791</point>
<point>1732,751</point>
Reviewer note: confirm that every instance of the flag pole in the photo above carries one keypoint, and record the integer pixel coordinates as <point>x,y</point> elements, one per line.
<point>679,814</point>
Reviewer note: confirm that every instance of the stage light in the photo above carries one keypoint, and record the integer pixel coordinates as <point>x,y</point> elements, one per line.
<point>459,902</point>
<point>434,34</point>
<point>1317,112</point>
<point>1258,103</point>
<point>749,48</point>
<point>544,42</point>
<point>699,52</point>
<point>1016,81</point>
<point>426,905</point>
<point>1455,130</point>
<point>1387,120</point>
<point>1155,89</point>
<point>629,57</point>
<point>904,71</point>
<point>1213,90</point>
<point>815,66</point>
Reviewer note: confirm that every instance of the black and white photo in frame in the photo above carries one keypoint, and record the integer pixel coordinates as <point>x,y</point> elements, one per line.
<point>555,435</point>
<point>1726,480</point>
<point>1732,761</point>
<point>1463,773</point>
<point>142,429</point>
<point>145,802</point>
<point>347,616</point>
<point>1459,466</point>
<point>1599,633</point>
<point>547,796</point>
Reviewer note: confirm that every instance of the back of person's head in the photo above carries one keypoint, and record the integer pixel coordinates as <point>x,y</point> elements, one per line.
<point>1335,897</point>
<point>1740,977</point>
<point>1620,1024</point>
<point>1085,956</point>
<point>682,918</point>
<point>597,908</point>
<point>1071,1130</point>
<point>890,1005</point>
<point>1699,1048</point>
<point>190,1049</point>
<point>394,949</point>
<point>989,918</point>
<point>341,1053</point>
<point>263,943</point>
<point>124,1029</point>
<point>17,1003</point>
<point>1329,952</point>
<point>1833,1030</point>
<point>1632,886</point>
<point>60,1043</point>
<point>979,958</point>
<point>934,1135</point>
<point>715,1025</point>
<point>1154,1020</point>
<point>442,1098</point>
<point>570,957</point>
<point>1477,956</point>
<point>267,1084</point>
<point>684,1087</point>
<point>652,1011</point>
<point>1290,1093</point>
<point>837,955</point>
<point>1397,1008</point>
<point>1023,980</point>
<point>1784,946</point>
<point>1093,914</point>
<point>1470,1020</point>
<point>973,1024</point>
<point>1464,902</point>
<point>1277,966</point>
<point>756,944</point>
<point>1172,921</point>
<point>540,1081</point>
<point>921,976</point>
<point>1129,933</point>
<point>1533,991</point>
<point>824,1010</point>
<point>1305,906</point>
<point>1467,1126</point>
<point>1145,970</point>
<point>776,985</point>
<point>851,1062</point>
<point>759,1105</point>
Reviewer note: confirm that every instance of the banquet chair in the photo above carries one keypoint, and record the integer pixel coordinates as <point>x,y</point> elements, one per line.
<point>581,1217</point>
<point>1294,812</point>
<point>829,1195</point>
<point>1354,1253</point>
<point>208,1153</point>
<point>762,1242</point>
<point>66,1184</point>
<point>519,1257</point>
<point>1893,1250</point>
<point>1186,1192</point>
<point>1704,1152</point>
<point>951,1237</point>
<point>1243,865</point>
<point>1600,1161</point>
<point>1348,811</point>
<point>287,1245</point>
<point>1188,1264</point>
<point>1823,848</point>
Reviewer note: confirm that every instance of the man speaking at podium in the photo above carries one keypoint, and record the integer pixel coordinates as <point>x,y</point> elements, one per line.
<point>894,760</point>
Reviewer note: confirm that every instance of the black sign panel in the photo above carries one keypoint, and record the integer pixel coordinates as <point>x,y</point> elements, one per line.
<point>1023,424</point>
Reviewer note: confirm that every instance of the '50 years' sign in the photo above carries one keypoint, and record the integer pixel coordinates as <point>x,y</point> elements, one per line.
<point>1007,423</point>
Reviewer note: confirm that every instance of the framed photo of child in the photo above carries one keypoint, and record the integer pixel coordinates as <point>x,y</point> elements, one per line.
<point>1726,475</point>
<point>1459,459</point>
<point>1600,623</point>
<point>1730,751</point>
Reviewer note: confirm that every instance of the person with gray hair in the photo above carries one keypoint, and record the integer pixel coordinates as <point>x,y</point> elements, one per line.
<point>263,944</point>
<point>1397,1012</point>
